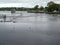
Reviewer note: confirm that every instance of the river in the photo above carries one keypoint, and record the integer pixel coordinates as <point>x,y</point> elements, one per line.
<point>30,29</point>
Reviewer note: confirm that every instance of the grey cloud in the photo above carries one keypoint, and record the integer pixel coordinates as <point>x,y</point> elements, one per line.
<point>29,2</point>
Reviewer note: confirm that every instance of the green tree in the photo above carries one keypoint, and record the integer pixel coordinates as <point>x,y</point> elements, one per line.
<point>51,6</point>
<point>50,3</point>
<point>36,7</point>
<point>41,8</point>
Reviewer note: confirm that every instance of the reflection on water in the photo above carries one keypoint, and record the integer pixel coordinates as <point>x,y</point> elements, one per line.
<point>30,29</point>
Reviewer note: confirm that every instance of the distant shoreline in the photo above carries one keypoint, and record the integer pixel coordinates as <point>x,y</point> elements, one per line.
<point>39,12</point>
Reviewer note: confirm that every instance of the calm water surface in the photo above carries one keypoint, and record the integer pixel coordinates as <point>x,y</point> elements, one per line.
<point>30,29</point>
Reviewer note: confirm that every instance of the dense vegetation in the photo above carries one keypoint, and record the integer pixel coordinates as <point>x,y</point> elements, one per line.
<point>18,9</point>
<point>51,6</point>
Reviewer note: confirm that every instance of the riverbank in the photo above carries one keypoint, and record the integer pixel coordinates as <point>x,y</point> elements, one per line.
<point>43,12</point>
<point>52,12</point>
<point>33,11</point>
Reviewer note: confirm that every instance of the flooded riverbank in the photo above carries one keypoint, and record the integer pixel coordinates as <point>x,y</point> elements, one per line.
<point>30,29</point>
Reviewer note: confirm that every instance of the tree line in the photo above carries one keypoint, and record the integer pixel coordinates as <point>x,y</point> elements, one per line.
<point>51,6</point>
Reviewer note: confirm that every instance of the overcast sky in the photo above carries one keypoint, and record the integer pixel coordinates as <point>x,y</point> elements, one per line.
<point>24,3</point>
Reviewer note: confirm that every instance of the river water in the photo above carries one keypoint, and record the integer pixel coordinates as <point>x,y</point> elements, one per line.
<point>30,29</point>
